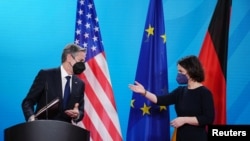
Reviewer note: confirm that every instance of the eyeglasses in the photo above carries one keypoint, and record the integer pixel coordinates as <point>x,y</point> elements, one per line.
<point>77,60</point>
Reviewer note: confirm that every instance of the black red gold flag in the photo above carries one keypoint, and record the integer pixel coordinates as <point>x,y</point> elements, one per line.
<point>213,56</point>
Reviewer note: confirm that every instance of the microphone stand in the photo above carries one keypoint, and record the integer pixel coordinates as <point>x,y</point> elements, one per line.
<point>46,98</point>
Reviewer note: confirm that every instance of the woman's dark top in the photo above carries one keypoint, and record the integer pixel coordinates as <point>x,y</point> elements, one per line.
<point>196,102</point>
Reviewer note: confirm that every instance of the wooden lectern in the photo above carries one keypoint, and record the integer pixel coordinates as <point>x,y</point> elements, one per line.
<point>46,130</point>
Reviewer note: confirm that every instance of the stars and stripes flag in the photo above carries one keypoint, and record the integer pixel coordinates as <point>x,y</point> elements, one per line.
<point>148,121</point>
<point>100,113</point>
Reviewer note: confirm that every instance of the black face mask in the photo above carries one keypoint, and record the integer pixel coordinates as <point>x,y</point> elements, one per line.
<point>78,67</point>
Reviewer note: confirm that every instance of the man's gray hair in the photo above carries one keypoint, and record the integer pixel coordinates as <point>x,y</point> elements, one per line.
<point>71,49</point>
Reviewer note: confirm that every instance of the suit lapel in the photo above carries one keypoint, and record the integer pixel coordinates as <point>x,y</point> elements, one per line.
<point>58,83</point>
<point>74,84</point>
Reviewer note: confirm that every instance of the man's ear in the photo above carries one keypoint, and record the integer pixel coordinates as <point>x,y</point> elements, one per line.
<point>69,57</point>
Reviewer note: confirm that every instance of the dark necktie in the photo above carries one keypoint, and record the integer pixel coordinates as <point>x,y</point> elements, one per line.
<point>66,92</point>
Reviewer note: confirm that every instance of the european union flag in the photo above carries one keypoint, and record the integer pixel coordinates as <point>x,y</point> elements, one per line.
<point>148,121</point>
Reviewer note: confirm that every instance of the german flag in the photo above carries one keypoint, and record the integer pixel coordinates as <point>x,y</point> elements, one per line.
<point>213,56</point>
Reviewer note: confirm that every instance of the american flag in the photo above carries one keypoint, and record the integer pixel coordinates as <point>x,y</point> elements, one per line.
<point>100,113</point>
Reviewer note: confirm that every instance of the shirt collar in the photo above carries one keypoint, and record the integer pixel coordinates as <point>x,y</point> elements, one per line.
<point>63,72</point>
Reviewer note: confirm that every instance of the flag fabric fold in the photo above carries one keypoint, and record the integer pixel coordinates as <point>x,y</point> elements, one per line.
<point>213,56</point>
<point>147,121</point>
<point>100,113</point>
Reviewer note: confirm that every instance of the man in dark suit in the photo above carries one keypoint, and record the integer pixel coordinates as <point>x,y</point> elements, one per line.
<point>49,84</point>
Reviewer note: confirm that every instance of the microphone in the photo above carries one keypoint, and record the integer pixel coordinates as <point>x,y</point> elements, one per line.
<point>46,98</point>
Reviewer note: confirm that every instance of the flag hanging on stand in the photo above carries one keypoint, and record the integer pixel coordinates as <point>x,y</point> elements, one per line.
<point>213,56</point>
<point>147,121</point>
<point>100,113</point>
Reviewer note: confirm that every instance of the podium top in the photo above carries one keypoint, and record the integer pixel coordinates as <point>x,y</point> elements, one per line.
<point>46,130</point>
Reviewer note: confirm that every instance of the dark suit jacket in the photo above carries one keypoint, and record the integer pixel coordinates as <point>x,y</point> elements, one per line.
<point>48,85</point>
